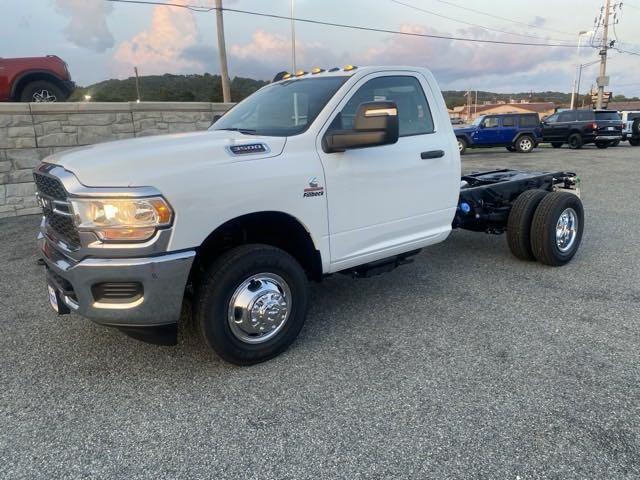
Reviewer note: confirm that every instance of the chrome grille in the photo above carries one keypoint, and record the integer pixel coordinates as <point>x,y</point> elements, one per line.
<point>57,212</point>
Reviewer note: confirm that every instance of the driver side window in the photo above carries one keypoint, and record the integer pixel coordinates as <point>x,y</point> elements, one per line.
<point>490,122</point>
<point>414,115</point>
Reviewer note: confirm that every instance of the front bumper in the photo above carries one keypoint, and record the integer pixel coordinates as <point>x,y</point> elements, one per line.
<point>163,279</point>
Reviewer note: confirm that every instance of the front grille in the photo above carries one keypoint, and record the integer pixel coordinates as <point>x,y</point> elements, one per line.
<point>50,187</point>
<point>62,226</point>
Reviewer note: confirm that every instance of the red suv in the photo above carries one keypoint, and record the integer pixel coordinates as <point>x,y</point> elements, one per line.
<point>34,79</point>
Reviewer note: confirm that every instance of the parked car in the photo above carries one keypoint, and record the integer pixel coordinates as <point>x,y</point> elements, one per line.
<point>518,132</point>
<point>348,171</point>
<point>34,79</point>
<point>631,127</point>
<point>580,127</point>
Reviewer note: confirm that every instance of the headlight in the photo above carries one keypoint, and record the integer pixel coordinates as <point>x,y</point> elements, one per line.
<point>132,219</point>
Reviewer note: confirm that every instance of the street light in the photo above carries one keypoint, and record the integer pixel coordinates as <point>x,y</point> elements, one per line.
<point>293,38</point>
<point>575,77</point>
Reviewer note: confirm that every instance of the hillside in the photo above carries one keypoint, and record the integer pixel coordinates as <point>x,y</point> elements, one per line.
<point>207,88</point>
<point>166,88</point>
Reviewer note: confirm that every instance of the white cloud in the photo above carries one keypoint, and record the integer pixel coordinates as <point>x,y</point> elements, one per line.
<point>87,23</point>
<point>159,48</point>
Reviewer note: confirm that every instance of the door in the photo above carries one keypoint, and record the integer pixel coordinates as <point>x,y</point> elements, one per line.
<point>508,130</point>
<point>488,132</point>
<point>562,127</point>
<point>389,199</point>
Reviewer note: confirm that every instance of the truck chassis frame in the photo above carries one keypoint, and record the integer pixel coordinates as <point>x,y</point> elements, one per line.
<point>486,198</point>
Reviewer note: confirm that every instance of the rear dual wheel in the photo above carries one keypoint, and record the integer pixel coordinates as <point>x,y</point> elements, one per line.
<point>545,226</point>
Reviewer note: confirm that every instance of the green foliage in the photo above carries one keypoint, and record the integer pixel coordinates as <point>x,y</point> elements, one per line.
<point>168,88</point>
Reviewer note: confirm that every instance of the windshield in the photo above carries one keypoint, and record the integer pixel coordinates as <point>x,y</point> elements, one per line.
<point>281,109</point>
<point>608,116</point>
<point>478,121</point>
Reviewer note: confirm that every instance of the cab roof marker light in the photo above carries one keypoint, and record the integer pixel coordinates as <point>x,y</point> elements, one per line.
<point>286,76</point>
<point>316,70</point>
<point>300,73</point>
<point>348,68</point>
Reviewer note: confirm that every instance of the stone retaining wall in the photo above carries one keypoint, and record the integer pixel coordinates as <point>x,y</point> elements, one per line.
<point>31,131</point>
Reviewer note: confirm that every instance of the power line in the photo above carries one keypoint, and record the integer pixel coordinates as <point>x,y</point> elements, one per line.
<point>420,9</point>
<point>344,25</point>
<point>479,12</point>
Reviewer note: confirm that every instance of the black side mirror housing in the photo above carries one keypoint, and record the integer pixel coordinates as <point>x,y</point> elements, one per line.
<point>376,123</point>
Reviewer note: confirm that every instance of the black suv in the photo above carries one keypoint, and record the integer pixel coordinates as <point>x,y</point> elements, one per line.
<point>578,127</point>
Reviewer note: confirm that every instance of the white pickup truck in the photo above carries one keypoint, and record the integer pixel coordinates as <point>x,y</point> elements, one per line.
<point>350,170</point>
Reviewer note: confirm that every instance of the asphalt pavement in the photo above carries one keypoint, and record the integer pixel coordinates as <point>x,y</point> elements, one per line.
<point>467,363</point>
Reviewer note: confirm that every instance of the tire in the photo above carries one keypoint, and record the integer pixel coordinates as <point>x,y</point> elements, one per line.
<point>511,148</point>
<point>230,279</point>
<point>519,223</point>
<point>42,91</point>
<point>634,142</point>
<point>525,144</point>
<point>635,128</point>
<point>602,145</point>
<point>556,145</point>
<point>462,145</point>
<point>545,243</point>
<point>575,141</point>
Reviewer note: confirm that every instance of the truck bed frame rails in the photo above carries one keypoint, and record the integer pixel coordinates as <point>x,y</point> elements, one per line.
<point>486,197</point>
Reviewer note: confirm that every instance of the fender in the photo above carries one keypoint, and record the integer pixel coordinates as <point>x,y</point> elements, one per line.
<point>15,81</point>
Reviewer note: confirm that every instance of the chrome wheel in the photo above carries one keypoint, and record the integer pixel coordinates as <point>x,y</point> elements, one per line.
<point>259,308</point>
<point>44,96</point>
<point>566,229</point>
<point>526,144</point>
<point>460,146</point>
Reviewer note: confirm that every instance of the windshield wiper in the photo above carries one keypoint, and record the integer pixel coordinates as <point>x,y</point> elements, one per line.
<point>245,131</point>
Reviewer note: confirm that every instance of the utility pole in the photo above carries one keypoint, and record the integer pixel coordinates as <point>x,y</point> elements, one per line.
<point>603,81</point>
<point>222,51</point>
<point>135,69</point>
<point>293,38</point>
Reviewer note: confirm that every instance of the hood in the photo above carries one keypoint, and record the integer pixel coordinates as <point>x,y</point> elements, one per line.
<point>466,129</point>
<point>132,162</point>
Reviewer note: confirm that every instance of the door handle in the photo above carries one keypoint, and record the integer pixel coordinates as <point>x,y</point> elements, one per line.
<point>432,154</point>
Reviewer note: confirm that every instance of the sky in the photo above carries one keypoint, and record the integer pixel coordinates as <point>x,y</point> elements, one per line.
<point>101,40</point>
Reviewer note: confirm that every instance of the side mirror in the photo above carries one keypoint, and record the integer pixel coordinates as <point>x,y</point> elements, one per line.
<point>481,125</point>
<point>376,123</point>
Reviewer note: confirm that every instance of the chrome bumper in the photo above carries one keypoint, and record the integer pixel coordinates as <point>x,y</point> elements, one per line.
<point>163,279</point>
<point>601,138</point>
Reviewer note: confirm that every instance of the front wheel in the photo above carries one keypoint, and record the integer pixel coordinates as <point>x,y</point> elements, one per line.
<point>462,145</point>
<point>252,303</point>
<point>525,144</point>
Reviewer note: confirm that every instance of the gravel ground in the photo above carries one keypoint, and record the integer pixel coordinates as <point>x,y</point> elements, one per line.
<point>465,364</point>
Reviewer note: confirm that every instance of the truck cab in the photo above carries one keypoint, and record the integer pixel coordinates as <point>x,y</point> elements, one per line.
<point>349,170</point>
